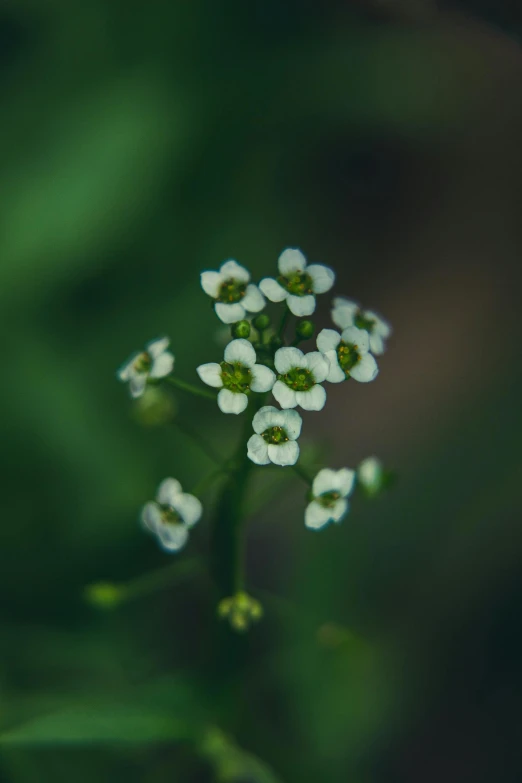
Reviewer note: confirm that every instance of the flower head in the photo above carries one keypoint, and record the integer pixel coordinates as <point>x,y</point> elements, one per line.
<point>154,362</point>
<point>348,355</point>
<point>371,475</point>
<point>237,376</point>
<point>330,489</point>
<point>275,438</point>
<point>346,313</point>
<point>300,376</point>
<point>171,515</point>
<point>232,291</point>
<point>297,282</point>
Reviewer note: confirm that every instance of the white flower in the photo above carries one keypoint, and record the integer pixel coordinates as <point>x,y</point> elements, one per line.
<point>237,376</point>
<point>233,292</point>
<point>300,376</point>
<point>276,437</point>
<point>348,355</point>
<point>154,362</point>
<point>346,313</point>
<point>171,515</point>
<point>297,282</point>
<point>330,489</point>
<point>370,475</point>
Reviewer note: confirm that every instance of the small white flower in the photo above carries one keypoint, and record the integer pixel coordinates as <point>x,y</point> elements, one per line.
<point>346,313</point>
<point>300,376</point>
<point>233,292</point>
<point>171,515</point>
<point>348,354</point>
<point>297,282</point>
<point>154,362</point>
<point>237,376</point>
<point>370,475</point>
<point>275,438</point>
<point>330,489</point>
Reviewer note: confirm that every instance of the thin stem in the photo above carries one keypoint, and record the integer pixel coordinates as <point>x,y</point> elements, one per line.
<point>190,388</point>
<point>301,472</point>
<point>199,440</point>
<point>284,321</point>
<point>208,480</point>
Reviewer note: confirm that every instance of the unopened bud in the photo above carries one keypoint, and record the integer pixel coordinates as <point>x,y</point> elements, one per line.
<point>305,329</point>
<point>261,322</point>
<point>241,329</point>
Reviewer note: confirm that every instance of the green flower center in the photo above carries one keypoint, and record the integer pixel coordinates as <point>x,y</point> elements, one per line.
<point>143,362</point>
<point>328,499</point>
<point>299,284</point>
<point>169,515</point>
<point>275,435</point>
<point>231,291</point>
<point>298,379</point>
<point>348,356</point>
<point>236,377</point>
<point>364,323</point>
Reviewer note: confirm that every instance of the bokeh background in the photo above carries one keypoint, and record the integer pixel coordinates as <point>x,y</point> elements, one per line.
<point>142,143</point>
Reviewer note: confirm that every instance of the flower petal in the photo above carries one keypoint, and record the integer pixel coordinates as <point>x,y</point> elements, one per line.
<point>323,277</point>
<point>318,365</point>
<point>292,422</point>
<point>229,313</point>
<point>272,290</point>
<point>359,337</point>
<point>343,311</point>
<point>266,417</point>
<point>241,351</point>
<point>253,300</point>
<point>365,370</point>
<point>232,270</point>
<point>316,516</point>
<point>232,402</point>
<point>301,305</point>
<point>210,374</point>
<point>151,516</point>
<point>312,400</point>
<point>210,283</point>
<point>162,365</point>
<point>286,359</point>
<point>328,340</point>
<point>257,450</point>
<point>137,385</point>
<point>376,344</point>
<point>369,472</point>
<point>381,327</point>
<point>189,508</point>
<point>168,492</point>
<point>156,347</point>
<point>127,371</point>
<point>336,373</point>
<point>285,396</point>
<point>172,537</point>
<point>345,481</point>
<point>339,510</point>
<point>263,378</point>
<point>284,454</point>
<point>291,260</point>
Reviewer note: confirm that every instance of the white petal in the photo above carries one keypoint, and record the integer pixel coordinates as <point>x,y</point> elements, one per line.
<point>162,365</point>
<point>172,537</point>
<point>241,351</point>
<point>285,454</point>
<point>292,422</point>
<point>291,260</point>
<point>137,385</point>
<point>168,492</point>
<point>229,313</point>
<point>369,472</point>
<point>263,378</point>
<point>343,312</point>
<point>156,347</point>
<point>316,516</point>
<point>127,371</point>
<point>253,300</point>
<point>150,516</point>
<point>258,450</point>
<point>328,340</point>
<point>339,510</point>
<point>365,370</point>
<point>232,402</point>
<point>231,270</point>
<point>381,327</point>
<point>286,359</point>
<point>336,373</point>
<point>345,481</point>
<point>211,283</point>
<point>189,508</point>
<point>272,290</point>
<point>318,365</point>
<point>376,344</point>
<point>285,396</point>
<point>267,417</point>
<point>301,305</point>
<point>210,374</point>
<point>323,278</point>
<point>359,337</point>
<point>312,400</point>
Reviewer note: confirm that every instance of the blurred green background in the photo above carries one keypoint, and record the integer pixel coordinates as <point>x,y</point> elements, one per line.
<point>142,143</point>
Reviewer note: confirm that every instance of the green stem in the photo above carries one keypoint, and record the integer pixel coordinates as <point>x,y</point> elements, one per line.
<point>207,481</point>
<point>190,388</point>
<point>199,440</point>
<point>301,472</point>
<point>284,321</point>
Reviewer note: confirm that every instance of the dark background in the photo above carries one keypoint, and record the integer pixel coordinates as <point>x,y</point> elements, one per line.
<point>142,143</point>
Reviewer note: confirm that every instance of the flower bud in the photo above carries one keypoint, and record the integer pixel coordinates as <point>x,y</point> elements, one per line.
<point>241,329</point>
<point>103,595</point>
<point>241,610</point>
<point>276,342</point>
<point>261,322</point>
<point>304,329</point>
